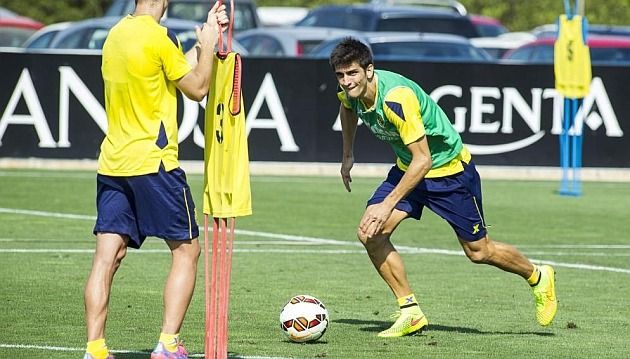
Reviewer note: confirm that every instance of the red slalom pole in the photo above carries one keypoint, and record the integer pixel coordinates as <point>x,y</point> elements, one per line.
<point>207,286</point>
<point>211,312</point>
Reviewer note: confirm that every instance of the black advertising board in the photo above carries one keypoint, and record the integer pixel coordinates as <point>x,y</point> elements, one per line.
<point>53,107</point>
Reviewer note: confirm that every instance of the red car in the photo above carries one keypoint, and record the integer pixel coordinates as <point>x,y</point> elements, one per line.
<point>14,30</point>
<point>604,50</point>
<point>487,26</point>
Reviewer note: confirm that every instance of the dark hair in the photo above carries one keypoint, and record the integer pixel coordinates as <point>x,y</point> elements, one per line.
<point>350,50</point>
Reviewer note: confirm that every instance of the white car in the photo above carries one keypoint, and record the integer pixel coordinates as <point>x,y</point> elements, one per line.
<point>497,46</point>
<point>408,46</point>
<point>287,41</point>
<point>90,34</point>
<point>281,15</point>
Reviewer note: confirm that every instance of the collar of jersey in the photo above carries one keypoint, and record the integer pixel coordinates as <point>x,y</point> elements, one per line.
<point>373,107</point>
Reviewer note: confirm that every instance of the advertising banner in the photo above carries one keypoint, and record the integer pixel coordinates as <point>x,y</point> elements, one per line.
<point>52,106</point>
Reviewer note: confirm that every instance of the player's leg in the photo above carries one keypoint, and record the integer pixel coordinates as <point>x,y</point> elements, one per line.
<point>391,268</point>
<point>388,261</point>
<point>110,250</point>
<point>384,256</point>
<point>115,216</point>
<point>178,292</point>
<point>166,210</point>
<point>500,255</point>
<point>180,283</point>
<point>458,199</point>
<point>510,259</point>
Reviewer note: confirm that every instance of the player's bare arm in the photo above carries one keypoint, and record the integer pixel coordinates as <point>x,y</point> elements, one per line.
<point>376,215</point>
<point>348,129</point>
<point>195,83</point>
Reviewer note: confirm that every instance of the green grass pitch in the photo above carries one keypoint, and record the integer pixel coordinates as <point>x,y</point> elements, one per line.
<point>301,240</point>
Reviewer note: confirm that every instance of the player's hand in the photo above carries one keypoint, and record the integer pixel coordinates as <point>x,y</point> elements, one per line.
<point>208,33</point>
<point>219,16</point>
<point>346,166</point>
<point>374,219</point>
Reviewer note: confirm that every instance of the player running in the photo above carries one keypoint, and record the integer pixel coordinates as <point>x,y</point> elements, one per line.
<point>433,169</point>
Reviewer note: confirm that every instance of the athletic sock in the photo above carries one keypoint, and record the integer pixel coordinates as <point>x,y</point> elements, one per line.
<point>169,341</point>
<point>97,349</point>
<point>409,305</point>
<point>534,279</point>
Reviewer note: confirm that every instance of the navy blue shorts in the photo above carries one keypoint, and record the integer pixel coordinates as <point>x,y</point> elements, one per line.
<point>455,198</point>
<point>158,204</point>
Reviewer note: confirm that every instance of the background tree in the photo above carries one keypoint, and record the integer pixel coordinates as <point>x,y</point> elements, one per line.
<point>50,11</point>
<point>517,15</point>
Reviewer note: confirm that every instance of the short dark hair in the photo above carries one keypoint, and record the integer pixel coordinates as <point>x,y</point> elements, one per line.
<point>350,50</point>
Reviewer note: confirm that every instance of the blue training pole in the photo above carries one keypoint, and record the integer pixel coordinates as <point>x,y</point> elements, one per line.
<point>564,148</point>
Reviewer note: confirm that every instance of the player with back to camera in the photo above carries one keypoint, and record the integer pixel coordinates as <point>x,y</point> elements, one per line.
<point>433,169</point>
<point>141,191</point>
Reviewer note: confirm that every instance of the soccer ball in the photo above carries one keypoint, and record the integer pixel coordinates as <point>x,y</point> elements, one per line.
<point>303,319</point>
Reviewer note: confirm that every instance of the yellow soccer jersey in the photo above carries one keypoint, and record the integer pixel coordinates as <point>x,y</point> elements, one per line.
<point>226,187</point>
<point>572,59</point>
<point>141,61</point>
<point>403,113</point>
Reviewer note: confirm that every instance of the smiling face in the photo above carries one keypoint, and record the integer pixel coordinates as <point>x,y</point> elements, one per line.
<point>351,60</point>
<point>354,79</point>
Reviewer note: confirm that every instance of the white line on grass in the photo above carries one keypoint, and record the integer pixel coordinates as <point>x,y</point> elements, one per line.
<point>46,214</point>
<point>405,250</point>
<point>47,174</point>
<point>579,246</point>
<point>298,251</point>
<point>293,238</point>
<point>92,175</point>
<point>66,349</point>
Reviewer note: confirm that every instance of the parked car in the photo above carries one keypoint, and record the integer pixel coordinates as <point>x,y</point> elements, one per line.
<point>488,26</point>
<point>245,13</point>
<point>497,46</point>
<point>603,50</point>
<point>413,46</point>
<point>91,34</point>
<point>43,37</point>
<point>452,5</point>
<point>15,29</point>
<point>287,41</point>
<point>551,30</point>
<point>371,17</point>
<point>4,12</point>
<point>280,15</point>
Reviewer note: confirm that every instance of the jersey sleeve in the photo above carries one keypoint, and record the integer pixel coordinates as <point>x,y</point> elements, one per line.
<point>402,108</point>
<point>173,59</point>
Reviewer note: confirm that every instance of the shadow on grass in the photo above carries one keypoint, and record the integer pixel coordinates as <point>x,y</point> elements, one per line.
<point>146,353</point>
<point>134,355</point>
<point>379,325</point>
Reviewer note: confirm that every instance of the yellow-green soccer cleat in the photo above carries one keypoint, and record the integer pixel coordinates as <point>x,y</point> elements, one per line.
<point>406,324</point>
<point>545,295</point>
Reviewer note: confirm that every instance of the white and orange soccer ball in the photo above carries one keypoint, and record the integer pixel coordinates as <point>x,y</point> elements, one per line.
<point>304,318</point>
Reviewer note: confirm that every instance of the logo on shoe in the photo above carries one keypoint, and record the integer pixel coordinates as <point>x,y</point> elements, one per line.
<point>416,321</point>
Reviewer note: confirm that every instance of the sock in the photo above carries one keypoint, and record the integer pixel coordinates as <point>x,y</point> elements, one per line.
<point>534,279</point>
<point>169,341</point>
<point>409,305</point>
<point>97,349</point>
